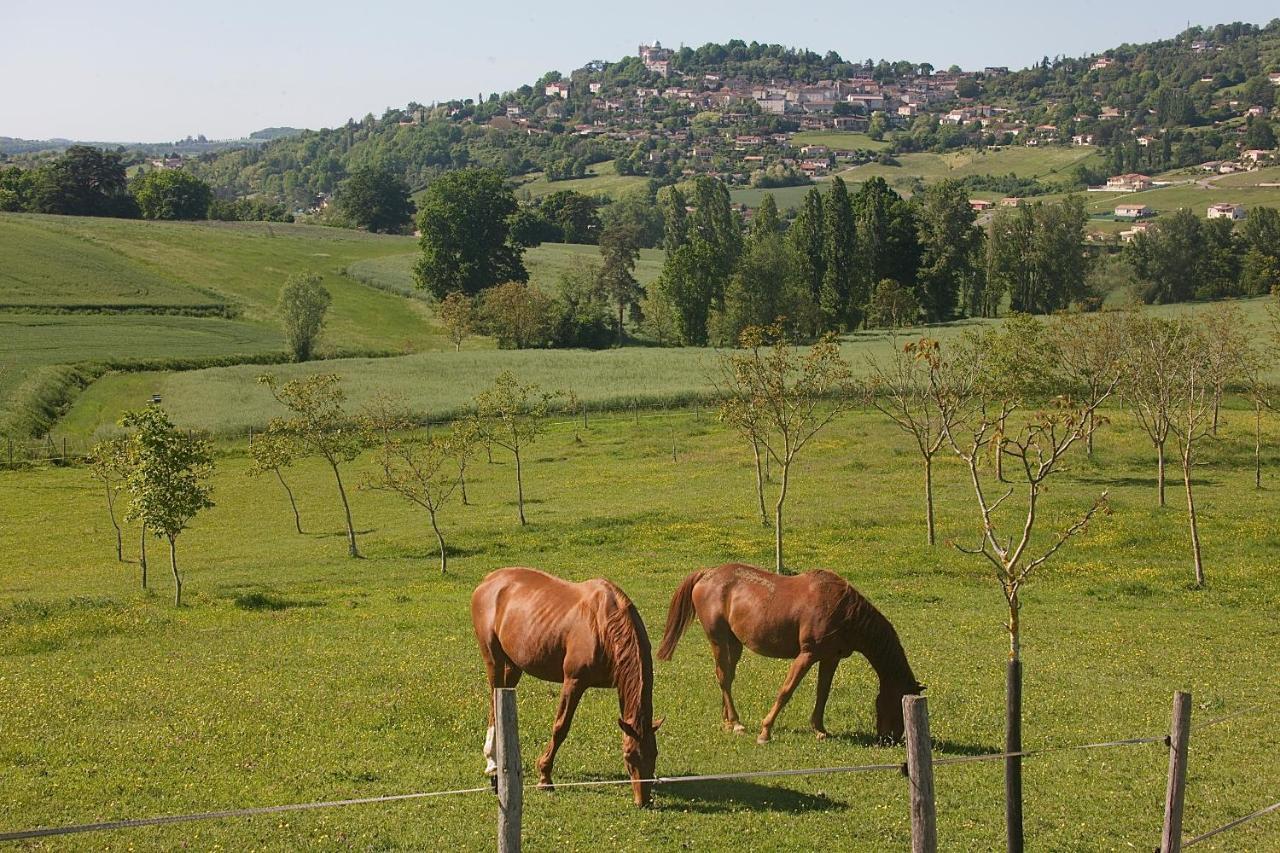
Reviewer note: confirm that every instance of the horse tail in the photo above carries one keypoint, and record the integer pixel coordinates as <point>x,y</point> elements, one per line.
<point>679,615</point>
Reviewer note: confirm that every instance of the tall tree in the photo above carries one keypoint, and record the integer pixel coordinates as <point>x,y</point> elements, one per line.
<point>675,218</point>
<point>887,244</point>
<point>951,245</point>
<point>84,181</point>
<point>1035,254</point>
<point>841,299</point>
<point>172,194</point>
<point>302,306</point>
<point>619,251</point>
<point>1260,237</point>
<point>573,214</point>
<point>688,284</point>
<point>168,478</point>
<point>1169,258</point>
<point>466,241</point>
<point>377,199</point>
<point>805,237</point>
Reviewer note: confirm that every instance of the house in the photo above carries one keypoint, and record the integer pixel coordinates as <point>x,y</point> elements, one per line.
<point>908,111</point>
<point>1110,112</point>
<point>172,161</point>
<point>814,167</point>
<point>981,204</point>
<point>1129,183</point>
<point>1102,62</point>
<point>595,86</point>
<point>1146,141</point>
<point>1132,211</point>
<point>1225,210</point>
<point>1082,139</point>
<point>1138,228</point>
<point>1256,111</point>
<point>1011,201</point>
<point>656,58</point>
<point>1256,155</point>
<point>814,151</point>
<point>1274,77</point>
<point>1199,45</point>
<point>559,89</point>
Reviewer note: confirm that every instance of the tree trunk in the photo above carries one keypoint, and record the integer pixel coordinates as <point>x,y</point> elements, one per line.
<point>352,550</point>
<point>111,510</point>
<point>1013,764</point>
<point>1191,518</point>
<point>462,482</point>
<point>1257,444</point>
<point>999,440</point>
<point>297,519</point>
<point>764,515</point>
<point>1088,439</point>
<point>177,578</point>
<point>621,308</point>
<point>519,487</point>
<point>444,559</point>
<point>142,556</point>
<point>777,517</point>
<point>1160,473</point>
<point>1217,404</point>
<point>928,498</point>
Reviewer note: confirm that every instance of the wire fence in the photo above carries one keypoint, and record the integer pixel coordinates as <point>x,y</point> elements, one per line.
<point>895,767</point>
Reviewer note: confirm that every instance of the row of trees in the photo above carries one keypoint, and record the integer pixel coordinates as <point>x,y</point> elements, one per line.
<point>1182,257</point>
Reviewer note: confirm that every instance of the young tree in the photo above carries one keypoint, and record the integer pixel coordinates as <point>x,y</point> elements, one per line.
<point>109,464</point>
<point>923,393</point>
<point>892,306</point>
<point>275,451</point>
<point>1226,335</point>
<point>519,315</point>
<point>318,427</point>
<point>512,415</point>
<point>419,468</point>
<point>779,398</point>
<point>1089,351</point>
<point>302,306</point>
<point>1149,379</point>
<point>376,199</point>
<point>1007,531</point>
<point>466,241</point>
<point>168,479</point>
<point>457,312</point>
<point>1191,413</point>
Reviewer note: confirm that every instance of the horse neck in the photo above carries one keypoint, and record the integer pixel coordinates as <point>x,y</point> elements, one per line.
<point>632,662</point>
<point>876,639</point>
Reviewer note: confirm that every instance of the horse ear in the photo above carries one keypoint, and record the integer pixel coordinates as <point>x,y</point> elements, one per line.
<point>658,723</point>
<point>628,729</point>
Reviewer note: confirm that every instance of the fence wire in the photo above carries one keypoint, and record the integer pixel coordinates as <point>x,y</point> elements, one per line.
<point>1232,825</point>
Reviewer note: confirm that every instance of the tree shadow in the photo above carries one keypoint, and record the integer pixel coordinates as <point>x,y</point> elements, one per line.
<point>1142,482</point>
<point>732,795</point>
<point>944,747</point>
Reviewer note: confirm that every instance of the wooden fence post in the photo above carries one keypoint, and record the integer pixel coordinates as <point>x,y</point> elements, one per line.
<point>924,816</point>
<point>1179,737</point>
<point>510,772</point>
<point>1013,763</point>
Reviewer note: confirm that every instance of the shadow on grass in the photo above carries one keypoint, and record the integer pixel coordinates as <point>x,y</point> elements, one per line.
<point>433,552</point>
<point>270,601</point>
<point>1143,482</point>
<point>719,796</point>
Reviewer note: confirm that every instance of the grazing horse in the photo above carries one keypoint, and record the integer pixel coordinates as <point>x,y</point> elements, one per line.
<point>816,617</point>
<point>582,635</point>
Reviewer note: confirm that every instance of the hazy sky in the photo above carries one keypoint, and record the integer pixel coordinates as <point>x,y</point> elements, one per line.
<point>156,71</point>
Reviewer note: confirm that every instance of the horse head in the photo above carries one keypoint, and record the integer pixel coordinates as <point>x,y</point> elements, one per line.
<point>640,753</point>
<point>889,723</point>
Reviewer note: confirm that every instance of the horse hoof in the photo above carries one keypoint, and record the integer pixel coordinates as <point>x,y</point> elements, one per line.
<point>735,727</point>
<point>547,786</point>
<point>822,735</point>
<point>763,738</point>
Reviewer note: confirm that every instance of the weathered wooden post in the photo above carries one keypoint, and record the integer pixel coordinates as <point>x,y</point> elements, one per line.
<point>1179,738</point>
<point>924,816</point>
<point>510,772</point>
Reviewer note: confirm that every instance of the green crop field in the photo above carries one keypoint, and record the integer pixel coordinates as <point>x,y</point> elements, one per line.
<point>294,674</point>
<point>1040,162</point>
<point>602,180</point>
<point>784,197</point>
<point>839,140</point>
<point>546,264</point>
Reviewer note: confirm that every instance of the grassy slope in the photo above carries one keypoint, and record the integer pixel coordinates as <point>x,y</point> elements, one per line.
<point>602,179</point>
<point>1040,162</point>
<point>70,261</point>
<point>338,678</point>
<point>839,140</point>
<point>438,384</point>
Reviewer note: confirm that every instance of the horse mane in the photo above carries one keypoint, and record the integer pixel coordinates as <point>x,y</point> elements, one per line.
<point>876,638</point>
<point>630,655</point>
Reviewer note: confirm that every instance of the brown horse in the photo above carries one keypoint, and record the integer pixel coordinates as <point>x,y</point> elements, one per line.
<point>816,617</point>
<point>579,634</point>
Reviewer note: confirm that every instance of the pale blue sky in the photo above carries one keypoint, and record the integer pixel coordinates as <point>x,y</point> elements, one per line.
<point>125,70</point>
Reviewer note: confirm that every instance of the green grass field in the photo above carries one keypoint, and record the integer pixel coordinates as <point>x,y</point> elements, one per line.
<point>602,180</point>
<point>1040,162</point>
<point>295,674</point>
<point>839,140</point>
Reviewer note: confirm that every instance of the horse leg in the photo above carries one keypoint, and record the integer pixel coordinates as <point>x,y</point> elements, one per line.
<point>502,673</point>
<point>726,653</point>
<point>826,672</point>
<point>799,667</point>
<point>569,696</point>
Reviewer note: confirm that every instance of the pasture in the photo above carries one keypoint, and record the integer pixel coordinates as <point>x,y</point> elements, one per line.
<point>840,140</point>
<point>602,179</point>
<point>297,674</point>
<point>1039,162</point>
